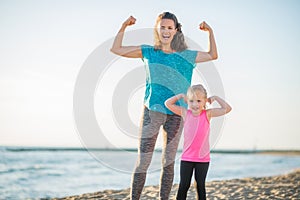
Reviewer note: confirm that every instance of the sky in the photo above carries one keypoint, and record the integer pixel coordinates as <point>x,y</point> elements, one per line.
<point>46,44</point>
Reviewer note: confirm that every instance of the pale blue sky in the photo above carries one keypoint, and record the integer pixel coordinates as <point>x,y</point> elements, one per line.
<point>43,45</point>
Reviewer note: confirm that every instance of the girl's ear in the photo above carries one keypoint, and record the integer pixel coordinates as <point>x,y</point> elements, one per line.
<point>206,103</point>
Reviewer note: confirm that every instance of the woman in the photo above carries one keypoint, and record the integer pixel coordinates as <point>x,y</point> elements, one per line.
<point>169,67</point>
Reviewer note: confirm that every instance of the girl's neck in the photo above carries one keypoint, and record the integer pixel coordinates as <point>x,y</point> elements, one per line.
<point>195,114</point>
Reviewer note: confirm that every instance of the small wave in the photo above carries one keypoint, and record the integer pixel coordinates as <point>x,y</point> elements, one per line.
<point>31,168</point>
<point>25,149</point>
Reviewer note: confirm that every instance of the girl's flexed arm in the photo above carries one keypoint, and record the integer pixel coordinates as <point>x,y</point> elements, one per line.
<point>171,105</point>
<point>215,112</point>
<point>126,51</point>
<point>212,53</point>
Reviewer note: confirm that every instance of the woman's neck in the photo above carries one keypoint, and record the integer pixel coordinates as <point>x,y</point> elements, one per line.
<point>167,49</point>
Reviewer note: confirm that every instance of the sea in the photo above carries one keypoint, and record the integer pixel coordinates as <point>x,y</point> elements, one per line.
<point>43,173</point>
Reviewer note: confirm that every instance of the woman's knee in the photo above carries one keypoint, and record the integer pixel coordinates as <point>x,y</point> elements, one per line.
<point>143,162</point>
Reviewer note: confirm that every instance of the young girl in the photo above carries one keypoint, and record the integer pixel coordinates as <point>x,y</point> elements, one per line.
<point>196,151</point>
<point>169,66</point>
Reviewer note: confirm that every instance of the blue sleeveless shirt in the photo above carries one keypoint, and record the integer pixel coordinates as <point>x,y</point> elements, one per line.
<point>167,74</point>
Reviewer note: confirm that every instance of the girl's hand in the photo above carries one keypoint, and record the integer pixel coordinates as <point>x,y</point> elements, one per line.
<point>204,26</point>
<point>210,100</point>
<point>130,21</point>
<point>184,97</point>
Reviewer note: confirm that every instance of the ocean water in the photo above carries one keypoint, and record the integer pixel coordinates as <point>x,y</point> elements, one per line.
<point>33,173</point>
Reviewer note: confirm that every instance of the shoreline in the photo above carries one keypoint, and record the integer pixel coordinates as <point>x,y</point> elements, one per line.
<point>285,186</point>
<point>225,151</point>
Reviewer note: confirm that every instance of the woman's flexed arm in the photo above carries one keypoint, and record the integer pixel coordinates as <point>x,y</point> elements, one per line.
<point>212,53</point>
<point>126,51</point>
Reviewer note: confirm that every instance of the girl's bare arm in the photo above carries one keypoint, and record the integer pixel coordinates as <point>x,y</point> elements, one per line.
<point>216,112</point>
<point>171,105</point>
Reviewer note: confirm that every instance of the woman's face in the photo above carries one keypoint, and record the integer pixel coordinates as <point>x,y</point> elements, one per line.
<point>166,31</point>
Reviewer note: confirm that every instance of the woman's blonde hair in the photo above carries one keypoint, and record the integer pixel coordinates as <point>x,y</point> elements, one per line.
<point>178,42</point>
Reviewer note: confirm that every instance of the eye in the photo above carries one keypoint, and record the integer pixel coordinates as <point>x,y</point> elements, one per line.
<point>198,101</point>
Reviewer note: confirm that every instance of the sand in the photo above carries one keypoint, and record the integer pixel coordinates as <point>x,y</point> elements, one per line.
<point>286,186</point>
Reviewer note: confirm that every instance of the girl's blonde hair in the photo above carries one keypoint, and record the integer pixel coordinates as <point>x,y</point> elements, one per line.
<point>191,90</point>
<point>178,42</point>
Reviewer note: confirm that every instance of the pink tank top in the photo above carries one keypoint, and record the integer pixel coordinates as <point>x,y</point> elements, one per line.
<point>196,138</point>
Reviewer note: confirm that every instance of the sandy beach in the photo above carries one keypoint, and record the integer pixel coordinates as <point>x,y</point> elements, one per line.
<point>286,186</point>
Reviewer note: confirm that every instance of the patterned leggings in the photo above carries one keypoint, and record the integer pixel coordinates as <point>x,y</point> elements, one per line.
<point>172,128</point>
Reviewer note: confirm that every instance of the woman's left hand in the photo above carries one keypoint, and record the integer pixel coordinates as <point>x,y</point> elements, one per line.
<point>204,26</point>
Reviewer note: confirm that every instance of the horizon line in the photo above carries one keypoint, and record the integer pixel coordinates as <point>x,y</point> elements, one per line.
<point>46,148</point>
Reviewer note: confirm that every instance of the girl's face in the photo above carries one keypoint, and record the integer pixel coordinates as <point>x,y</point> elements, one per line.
<point>196,102</point>
<point>166,31</point>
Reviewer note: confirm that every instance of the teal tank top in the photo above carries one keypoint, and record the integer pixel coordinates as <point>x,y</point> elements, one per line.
<point>167,74</point>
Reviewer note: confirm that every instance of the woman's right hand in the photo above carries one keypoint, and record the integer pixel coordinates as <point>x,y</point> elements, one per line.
<point>130,21</point>
<point>125,51</point>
